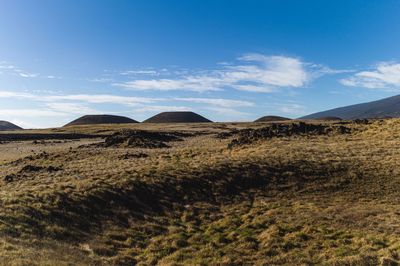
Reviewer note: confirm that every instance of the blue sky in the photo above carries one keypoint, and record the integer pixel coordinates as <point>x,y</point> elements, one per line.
<point>227,60</point>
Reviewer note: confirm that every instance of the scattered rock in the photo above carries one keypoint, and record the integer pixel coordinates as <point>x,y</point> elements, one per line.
<point>329,118</point>
<point>33,168</point>
<point>9,178</point>
<point>227,134</point>
<point>247,136</point>
<point>42,155</point>
<point>362,121</point>
<point>53,168</point>
<point>138,155</point>
<point>30,168</point>
<point>36,142</point>
<point>141,139</point>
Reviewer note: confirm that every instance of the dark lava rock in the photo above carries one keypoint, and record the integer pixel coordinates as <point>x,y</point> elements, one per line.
<point>329,118</point>
<point>227,134</point>
<point>362,121</point>
<point>9,178</point>
<point>247,136</point>
<point>53,168</point>
<point>141,139</point>
<point>138,155</point>
<point>33,168</point>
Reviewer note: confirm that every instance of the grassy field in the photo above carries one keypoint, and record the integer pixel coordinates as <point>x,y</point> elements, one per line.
<point>300,199</point>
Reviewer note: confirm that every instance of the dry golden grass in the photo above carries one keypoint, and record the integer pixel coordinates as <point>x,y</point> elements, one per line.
<point>330,200</point>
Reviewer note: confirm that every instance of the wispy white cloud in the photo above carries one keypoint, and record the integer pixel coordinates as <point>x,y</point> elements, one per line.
<point>100,98</point>
<point>12,69</point>
<point>252,72</point>
<point>71,108</point>
<point>53,77</point>
<point>73,103</point>
<point>292,109</point>
<point>101,80</point>
<point>24,123</point>
<point>229,113</point>
<point>140,72</point>
<point>385,75</point>
<point>7,66</point>
<point>279,71</point>
<point>161,108</point>
<point>26,74</point>
<point>30,113</point>
<point>217,102</point>
<point>18,95</point>
<point>190,83</point>
<point>255,88</point>
<point>89,98</point>
<point>283,107</point>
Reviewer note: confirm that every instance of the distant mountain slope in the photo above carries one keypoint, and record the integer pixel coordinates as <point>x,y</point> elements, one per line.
<point>388,107</point>
<point>101,119</point>
<point>4,125</point>
<point>271,118</point>
<point>177,117</point>
<point>329,118</point>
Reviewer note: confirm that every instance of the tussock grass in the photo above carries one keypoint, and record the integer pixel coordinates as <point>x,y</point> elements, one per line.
<point>320,199</point>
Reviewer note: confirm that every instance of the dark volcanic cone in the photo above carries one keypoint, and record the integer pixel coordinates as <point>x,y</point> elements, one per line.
<point>272,118</point>
<point>177,117</point>
<point>4,125</point>
<point>101,119</point>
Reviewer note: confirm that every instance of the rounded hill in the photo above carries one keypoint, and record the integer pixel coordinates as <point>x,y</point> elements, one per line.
<point>177,117</point>
<point>101,119</point>
<point>272,118</point>
<point>4,125</point>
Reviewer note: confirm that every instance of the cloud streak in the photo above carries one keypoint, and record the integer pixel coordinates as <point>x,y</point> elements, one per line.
<point>162,108</point>
<point>89,98</point>
<point>386,75</point>
<point>11,69</point>
<point>253,72</point>
<point>227,103</point>
<point>124,100</point>
<point>62,105</point>
<point>230,113</point>
<point>71,108</point>
<point>100,98</point>
<point>30,113</point>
